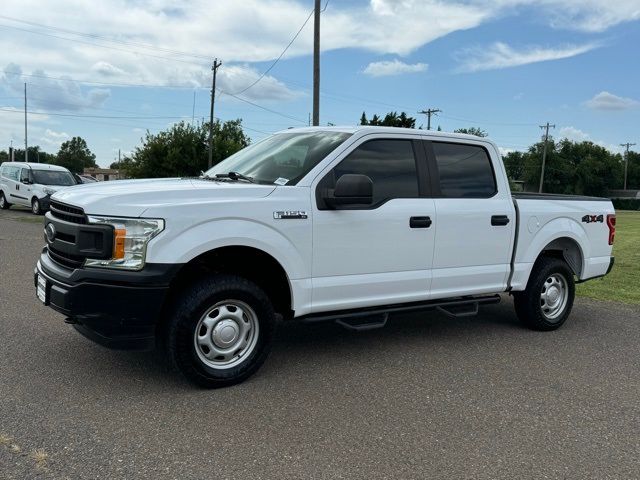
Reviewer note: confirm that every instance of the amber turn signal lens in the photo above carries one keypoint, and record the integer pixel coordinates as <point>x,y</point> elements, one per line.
<point>118,243</point>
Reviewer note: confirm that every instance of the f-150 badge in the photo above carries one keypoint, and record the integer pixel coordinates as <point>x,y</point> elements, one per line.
<point>289,214</point>
<point>593,218</point>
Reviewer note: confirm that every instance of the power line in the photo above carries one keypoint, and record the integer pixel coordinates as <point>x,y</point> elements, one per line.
<point>110,47</point>
<point>279,56</point>
<point>105,38</point>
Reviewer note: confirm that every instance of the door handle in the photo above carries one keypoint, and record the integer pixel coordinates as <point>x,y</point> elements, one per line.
<point>420,222</point>
<point>499,220</point>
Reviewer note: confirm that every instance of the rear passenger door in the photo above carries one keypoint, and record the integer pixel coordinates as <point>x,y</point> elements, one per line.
<point>375,255</point>
<point>475,220</point>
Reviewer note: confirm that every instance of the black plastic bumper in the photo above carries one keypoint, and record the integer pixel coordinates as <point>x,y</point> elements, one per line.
<point>117,309</point>
<point>45,203</point>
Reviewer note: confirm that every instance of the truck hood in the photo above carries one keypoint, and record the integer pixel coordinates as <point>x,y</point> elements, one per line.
<point>130,198</point>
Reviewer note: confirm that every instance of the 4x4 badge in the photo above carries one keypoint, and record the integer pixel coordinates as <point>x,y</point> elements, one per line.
<point>593,218</point>
<point>289,214</point>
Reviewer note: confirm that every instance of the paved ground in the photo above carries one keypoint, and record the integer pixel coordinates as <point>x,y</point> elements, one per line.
<point>426,397</point>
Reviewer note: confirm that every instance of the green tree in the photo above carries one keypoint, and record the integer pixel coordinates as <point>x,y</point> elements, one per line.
<point>75,155</point>
<point>581,168</point>
<point>182,150</point>
<point>35,155</point>
<point>478,132</point>
<point>514,165</point>
<point>391,119</point>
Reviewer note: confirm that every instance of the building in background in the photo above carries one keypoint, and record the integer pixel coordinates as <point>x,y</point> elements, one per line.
<point>104,174</point>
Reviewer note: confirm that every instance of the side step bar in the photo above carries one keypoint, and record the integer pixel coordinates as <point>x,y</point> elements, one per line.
<point>456,307</point>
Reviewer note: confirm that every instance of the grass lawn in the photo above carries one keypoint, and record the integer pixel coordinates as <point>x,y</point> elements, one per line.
<point>623,283</point>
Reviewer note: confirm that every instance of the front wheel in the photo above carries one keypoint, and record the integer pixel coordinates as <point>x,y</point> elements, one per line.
<point>547,301</point>
<point>221,330</point>
<point>36,208</point>
<point>4,205</point>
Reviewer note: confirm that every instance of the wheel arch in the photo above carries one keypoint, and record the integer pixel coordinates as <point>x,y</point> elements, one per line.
<point>249,262</point>
<point>569,250</point>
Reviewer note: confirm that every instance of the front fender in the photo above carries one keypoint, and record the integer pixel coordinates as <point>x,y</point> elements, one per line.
<point>190,242</point>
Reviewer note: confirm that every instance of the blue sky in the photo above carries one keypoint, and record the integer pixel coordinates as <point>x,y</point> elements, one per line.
<point>506,66</point>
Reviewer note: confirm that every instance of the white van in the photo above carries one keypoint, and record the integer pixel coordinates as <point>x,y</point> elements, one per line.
<point>31,184</point>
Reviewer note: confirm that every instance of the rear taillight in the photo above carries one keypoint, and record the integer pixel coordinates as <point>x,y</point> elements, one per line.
<point>611,223</point>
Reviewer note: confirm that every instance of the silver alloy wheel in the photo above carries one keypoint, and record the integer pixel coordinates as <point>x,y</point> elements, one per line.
<point>554,296</point>
<point>2,201</point>
<point>35,206</point>
<point>226,334</point>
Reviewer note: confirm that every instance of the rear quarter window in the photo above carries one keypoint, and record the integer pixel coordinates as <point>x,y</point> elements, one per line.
<point>464,171</point>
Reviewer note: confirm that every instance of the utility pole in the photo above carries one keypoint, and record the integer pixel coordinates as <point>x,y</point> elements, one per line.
<point>626,161</point>
<point>316,64</point>
<point>428,113</point>
<point>544,152</point>
<point>214,68</point>
<point>193,109</point>
<point>26,148</point>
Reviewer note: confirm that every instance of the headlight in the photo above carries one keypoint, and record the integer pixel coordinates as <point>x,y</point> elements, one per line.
<point>48,191</point>
<point>130,239</point>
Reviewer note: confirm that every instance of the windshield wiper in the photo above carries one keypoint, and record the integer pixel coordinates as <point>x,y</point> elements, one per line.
<point>234,176</point>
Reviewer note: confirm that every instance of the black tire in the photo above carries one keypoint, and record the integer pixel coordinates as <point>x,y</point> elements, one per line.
<point>189,310</point>
<point>4,205</point>
<point>36,206</point>
<point>532,309</point>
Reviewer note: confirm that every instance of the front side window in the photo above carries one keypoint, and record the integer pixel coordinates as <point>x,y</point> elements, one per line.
<point>24,175</point>
<point>465,171</point>
<point>390,164</point>
<point>53,177</point>
<point>282,159</point>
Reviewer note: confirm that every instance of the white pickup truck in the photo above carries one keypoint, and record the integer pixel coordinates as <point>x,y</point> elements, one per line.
<point>313,224</point>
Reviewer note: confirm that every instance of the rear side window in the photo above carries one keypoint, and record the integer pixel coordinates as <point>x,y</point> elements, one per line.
<point>465,171</point>
<point>391,165</point>
<point>10,172</point>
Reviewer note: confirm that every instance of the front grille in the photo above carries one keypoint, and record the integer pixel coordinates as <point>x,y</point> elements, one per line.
<point>64,259</point>
<point>67,212</point>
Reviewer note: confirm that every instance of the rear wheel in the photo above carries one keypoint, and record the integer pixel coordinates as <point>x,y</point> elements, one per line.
<point>547,301</point>
<point>36,208</point>
<point>221,330</point>
<point>4,205</point>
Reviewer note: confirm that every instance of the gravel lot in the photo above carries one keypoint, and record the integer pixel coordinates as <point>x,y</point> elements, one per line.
<point>425,397</point>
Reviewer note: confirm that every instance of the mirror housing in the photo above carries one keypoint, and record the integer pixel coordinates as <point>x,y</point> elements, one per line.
<point>351,189</point>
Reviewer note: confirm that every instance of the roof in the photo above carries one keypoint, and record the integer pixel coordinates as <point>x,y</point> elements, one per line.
<point>364,129</point>
<point>37,166</point>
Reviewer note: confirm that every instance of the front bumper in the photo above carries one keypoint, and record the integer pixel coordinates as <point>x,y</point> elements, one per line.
<point>45,203</point>
<point>116,309</point>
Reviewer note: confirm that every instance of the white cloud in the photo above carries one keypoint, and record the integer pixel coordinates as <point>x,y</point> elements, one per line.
<point>574,134</point>
<point>609,101</point>
<point>590,15</point>
<point>254,31</point>
<point>53,94</point>
<point>107,70</point>
<point>393,67</point>
<point>54,138</point>
<point>577,135</point>
<point>500,55</point>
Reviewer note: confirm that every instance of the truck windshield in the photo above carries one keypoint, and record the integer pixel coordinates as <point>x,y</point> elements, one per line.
<point>52,177</point>
<point>282,159</point>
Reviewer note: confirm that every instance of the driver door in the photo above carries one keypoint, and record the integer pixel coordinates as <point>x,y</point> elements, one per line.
<point>376,254</point>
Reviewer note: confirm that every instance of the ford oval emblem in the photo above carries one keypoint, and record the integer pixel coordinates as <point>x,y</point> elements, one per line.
<point>50,232</point>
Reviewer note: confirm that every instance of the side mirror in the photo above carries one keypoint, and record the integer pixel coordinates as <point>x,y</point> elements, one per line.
<point>26,181</point>
<point>351,189</point>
